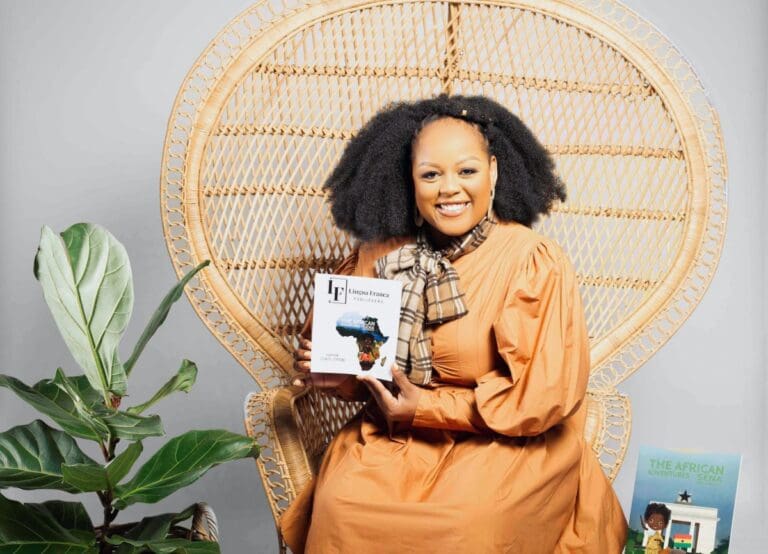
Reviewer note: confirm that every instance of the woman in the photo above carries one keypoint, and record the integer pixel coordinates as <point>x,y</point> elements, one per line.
<point>481,448</point>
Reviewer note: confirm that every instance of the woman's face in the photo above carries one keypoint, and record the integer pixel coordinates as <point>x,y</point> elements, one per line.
<point>453,176</point>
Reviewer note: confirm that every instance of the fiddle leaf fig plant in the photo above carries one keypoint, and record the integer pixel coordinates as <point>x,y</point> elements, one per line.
<point>87,283</point>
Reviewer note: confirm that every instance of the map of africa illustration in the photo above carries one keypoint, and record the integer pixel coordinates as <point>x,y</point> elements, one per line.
<point>365,330</point>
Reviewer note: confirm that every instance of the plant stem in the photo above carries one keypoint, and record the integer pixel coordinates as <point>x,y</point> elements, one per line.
<point>106,497</point>
<point>111,450</point>
<point>110,513</point>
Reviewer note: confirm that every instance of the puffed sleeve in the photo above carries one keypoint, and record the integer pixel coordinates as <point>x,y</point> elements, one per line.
<point>541,337</point>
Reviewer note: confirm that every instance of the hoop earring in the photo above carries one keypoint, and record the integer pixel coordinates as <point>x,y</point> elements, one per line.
<point>491,214</point>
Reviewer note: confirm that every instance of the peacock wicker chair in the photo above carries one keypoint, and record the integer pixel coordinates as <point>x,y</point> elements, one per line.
<point>266,110</point>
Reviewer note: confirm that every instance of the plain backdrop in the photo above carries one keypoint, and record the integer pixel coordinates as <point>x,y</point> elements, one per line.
<point>86,88</point>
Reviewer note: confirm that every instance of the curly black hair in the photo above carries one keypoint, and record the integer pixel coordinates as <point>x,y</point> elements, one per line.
<point>656,508</point>
<point>371,188</point>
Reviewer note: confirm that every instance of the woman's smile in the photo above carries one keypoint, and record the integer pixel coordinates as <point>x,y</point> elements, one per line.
<point>453,209</point>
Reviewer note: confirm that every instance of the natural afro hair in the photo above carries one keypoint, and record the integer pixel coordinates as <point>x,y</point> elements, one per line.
<point>371,188</point>
<point>656,508</point>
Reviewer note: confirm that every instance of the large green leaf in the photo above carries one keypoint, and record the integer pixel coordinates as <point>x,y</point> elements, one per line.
<point>31,457</point>
<point>183,381</point>
<point>85,477</point>
<point>122,464</point>
<point>77,407</point>
<point>52,401</point>
<point>77,389</point>
<point>160,314</point>
<point>107,420</point>
<point>131,426</point>
<point>152,528</point>
<point>91,478</point>
<point>70,515</point>
<point>86,278</point>
<point>82,402</point>
<point>181,461</point>
<point>29,529</point>
<point>79,397</point>
<point>169,546</point>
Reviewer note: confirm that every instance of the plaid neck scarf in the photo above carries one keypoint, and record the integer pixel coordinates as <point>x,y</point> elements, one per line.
<point>431,294</point>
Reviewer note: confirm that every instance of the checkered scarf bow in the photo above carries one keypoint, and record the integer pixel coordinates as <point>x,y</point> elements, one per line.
<point>431,294</point>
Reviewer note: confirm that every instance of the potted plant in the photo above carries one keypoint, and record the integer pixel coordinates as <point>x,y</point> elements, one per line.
<point>87,283</point>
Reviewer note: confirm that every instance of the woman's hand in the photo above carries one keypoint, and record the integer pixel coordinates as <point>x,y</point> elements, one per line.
<point>400,408</point>
<point>302,356</point>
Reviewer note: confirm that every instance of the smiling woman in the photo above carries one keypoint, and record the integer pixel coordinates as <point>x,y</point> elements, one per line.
<point>374,185</point>
<point>454,176</point>
<point>481,448</point>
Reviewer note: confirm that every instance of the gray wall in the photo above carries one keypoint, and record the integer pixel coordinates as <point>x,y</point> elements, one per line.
<point>86,88</point>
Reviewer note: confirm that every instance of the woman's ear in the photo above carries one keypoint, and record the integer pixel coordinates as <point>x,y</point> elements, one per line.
<point>494,171</point>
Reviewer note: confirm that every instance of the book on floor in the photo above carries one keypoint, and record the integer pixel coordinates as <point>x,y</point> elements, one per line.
<point>355,321</point>
<point>683,502</point>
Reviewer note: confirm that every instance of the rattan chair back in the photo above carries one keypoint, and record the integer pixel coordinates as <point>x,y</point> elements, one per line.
<point>267,109</point>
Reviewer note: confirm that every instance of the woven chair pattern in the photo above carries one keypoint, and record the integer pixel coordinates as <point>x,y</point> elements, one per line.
<point>267,109</point>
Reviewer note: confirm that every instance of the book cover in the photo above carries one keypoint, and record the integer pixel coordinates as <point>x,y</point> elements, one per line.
<point>683,502</point>
<point>354,325</point>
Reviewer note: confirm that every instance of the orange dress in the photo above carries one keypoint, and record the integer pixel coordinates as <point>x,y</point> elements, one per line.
<point>495,459</point>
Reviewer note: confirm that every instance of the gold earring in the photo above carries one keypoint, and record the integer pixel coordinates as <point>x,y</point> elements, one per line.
<point>491,215</point>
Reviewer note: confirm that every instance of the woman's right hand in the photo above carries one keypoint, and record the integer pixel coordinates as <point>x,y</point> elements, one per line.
<point>302,357</point>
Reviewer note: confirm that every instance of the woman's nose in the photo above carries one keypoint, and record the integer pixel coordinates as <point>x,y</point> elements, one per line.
<point>450,184</point>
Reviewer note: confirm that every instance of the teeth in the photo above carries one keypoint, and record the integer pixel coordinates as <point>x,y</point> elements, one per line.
<point>452,207</point>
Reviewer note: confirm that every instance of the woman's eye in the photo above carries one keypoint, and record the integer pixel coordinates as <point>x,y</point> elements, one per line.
<point>429,175</point>
<point>468,171</point>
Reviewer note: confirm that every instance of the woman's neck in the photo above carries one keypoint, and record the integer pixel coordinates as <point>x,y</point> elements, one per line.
<point>437,239</point>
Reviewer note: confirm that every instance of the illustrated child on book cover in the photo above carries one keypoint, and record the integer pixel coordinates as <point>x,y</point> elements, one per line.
<point>656,517</point>
<point>683,502</point>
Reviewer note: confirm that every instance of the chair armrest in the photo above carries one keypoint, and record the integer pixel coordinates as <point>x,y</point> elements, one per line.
<point>292,426</point>
<point>607,428</point>
<point>282,463</point>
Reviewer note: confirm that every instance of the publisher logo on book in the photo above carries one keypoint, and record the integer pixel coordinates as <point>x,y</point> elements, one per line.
<point>337,291</point>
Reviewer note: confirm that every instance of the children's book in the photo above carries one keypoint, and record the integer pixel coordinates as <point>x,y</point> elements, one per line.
<point>683,502</point>
<point>355,321</point>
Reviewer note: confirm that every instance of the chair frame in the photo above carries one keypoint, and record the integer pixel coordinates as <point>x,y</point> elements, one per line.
<point>286,463</point>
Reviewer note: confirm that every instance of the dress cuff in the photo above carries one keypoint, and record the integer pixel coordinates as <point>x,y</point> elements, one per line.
<point>425,410</point>
<point>448,407</point>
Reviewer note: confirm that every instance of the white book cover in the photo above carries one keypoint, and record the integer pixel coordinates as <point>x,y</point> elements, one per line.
<point>354,325</point>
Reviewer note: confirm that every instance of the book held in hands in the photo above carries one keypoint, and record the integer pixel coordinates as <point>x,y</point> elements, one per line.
<point>354,325</point>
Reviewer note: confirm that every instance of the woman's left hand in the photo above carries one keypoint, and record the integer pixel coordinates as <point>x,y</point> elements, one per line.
<point>400,408</point>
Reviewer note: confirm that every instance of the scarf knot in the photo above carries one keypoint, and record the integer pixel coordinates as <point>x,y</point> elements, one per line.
<point>431,294</point>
